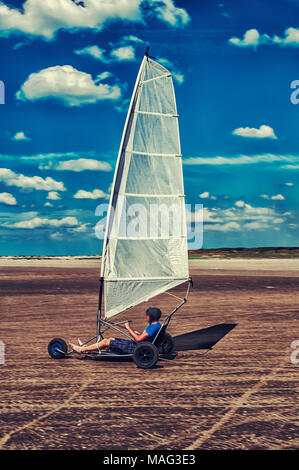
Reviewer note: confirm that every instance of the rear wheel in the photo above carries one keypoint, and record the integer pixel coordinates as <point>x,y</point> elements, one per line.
<point>145,355</point>
<point>57,348</point>
<point>166,346</point>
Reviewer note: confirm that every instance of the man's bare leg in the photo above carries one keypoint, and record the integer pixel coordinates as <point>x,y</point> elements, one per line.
<point>104,344</point>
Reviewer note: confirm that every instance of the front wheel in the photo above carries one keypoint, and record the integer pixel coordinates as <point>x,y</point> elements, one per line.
<point>166,346</point>
<point>57,348</point>
<point>145,355</point>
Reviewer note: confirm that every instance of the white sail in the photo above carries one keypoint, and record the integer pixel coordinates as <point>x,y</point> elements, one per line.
<point>145,246</point>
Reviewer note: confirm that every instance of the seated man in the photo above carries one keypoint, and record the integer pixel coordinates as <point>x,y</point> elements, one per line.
<point>126,346</point>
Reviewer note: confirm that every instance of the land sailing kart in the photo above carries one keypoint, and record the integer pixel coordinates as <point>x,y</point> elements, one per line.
<point>139,266</point>
<point>145,354</point>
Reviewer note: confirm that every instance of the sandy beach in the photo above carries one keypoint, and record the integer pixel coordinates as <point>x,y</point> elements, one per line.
<point>231,385</point>
<point>214,263</point>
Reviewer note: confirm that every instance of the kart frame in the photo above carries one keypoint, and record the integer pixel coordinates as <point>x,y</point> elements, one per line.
<point>121,329</point>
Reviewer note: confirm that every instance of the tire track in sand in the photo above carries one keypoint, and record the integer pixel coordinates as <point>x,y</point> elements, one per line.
<point>8,435</point>
<point>234,408</point>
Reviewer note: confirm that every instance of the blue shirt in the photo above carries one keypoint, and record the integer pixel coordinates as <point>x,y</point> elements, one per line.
<point>152,330</point>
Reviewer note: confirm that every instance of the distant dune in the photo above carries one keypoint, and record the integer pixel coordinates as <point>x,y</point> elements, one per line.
<point>262,252</point>
<point>51,261</point>
<point>265,258</point>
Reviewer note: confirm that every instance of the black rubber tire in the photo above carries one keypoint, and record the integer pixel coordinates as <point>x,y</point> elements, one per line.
<point>166,346</point>
<point>145,355</point>
<point>57,343</point>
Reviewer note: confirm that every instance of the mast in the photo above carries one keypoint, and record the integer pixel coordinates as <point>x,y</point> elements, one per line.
<point>99,335</point>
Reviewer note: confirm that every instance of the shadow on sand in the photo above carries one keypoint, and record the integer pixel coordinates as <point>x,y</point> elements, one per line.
<point>202,339</point>
<point>205,338</point>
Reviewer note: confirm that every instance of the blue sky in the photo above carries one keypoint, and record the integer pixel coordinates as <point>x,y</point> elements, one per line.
<point>233,63</point>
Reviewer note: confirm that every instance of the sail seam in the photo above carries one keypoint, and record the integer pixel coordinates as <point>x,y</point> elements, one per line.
<point>149,238</point>
<point>157,114</point>
<point>151,195</point>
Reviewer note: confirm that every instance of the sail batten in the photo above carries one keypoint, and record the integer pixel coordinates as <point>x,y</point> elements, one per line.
<point>145,279</point>
<point>146,255</point>
<point>156,78</point>
<point>154,154</point>
<point>157,114</point>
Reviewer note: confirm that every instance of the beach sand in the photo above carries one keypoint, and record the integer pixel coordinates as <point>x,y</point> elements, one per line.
<point>238,395</point>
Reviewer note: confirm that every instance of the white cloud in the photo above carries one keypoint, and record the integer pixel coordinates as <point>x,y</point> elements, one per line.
<point>167,12</point>
<point>256,226</point>
<point>179,77</point>
<point>117,54</point>
<point>252,38</point>
<point>38,222</point>
<point>67,85</point>
<point>54,196</point>
<point>242,216</point>
<point>226,227</point>
<point>66,230</point>
<point>20,136</point>
<point>204,195</point>
<point>291,167</point>
<point>244,160</point>
<point>48,204</point>
<point>81,228</point>
<point>95,194</point>
<point>289,184</point>
<point>133,39</point>
<point>45,18</point>
<point>10,178</point>
<point>240,204</point>
<point>263,132</point>
<point>291,38</point>
<point>211,215</point>
<point>122,107</point>
<point>94,51</point>
<point>177,74</point>
<point>43,156</point>
<point>8,199</point>
<point>80,164</point>
<point>165,62</point>
<point>56,236</point>
<point>103,76</point>
<point>123,53</point>
<point>277,197</point>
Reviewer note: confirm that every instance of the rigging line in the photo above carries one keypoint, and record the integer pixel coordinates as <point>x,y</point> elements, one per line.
<point>172,295</point>
<point>188,289</point>
<point>179,298</point>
